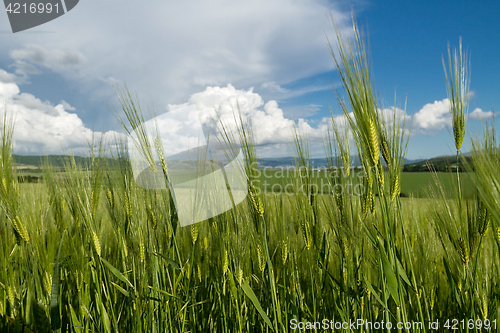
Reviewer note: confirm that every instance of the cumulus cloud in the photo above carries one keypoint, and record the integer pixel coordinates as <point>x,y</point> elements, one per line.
<point>8,90</point>
<point>479,114</point>
<point>43,128</point>
<point>67,106</point>
<point>433,117</point>
<point>271,128</point>
<point>7,77</point>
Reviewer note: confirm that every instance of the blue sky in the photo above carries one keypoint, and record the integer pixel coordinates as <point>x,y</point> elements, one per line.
<point>271,57</point>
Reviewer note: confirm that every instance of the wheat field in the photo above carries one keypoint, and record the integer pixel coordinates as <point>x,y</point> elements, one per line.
<point>88,250</point>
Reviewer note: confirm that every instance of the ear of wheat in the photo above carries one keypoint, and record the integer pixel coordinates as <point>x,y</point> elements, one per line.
<point>205,243</point>
<point>239,274</point>
<point>380,175</point>
<point>126,200</point>
<point>497,235</point>
<point>198,272</point>
<point>395,185</point>
<point>111,199</point>
<point>194,233</point>
<point>97,242</point>
<point>284,251</point>
<point>484,306</point>
<point>463,250</point>
<point>458,90</point>
<point>151,216</point>
<point>256,200</point>
<point>384,147</point>
<point>306,228</point>
<point>373,142</point>
<point>225,262</point>
<point>260,258</point>
<point>483,219</point>
<point>20,229</point>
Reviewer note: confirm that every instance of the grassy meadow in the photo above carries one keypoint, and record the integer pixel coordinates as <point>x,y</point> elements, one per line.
<point>87,250</point>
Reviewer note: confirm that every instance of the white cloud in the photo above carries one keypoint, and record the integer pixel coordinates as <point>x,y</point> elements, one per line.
<point>433,116</point>
<point>7,90</point>
<point>7,77</point>
<point>67,106</point>
<point>43,128</point>
<point>271,128</point>
<point>479,114</point>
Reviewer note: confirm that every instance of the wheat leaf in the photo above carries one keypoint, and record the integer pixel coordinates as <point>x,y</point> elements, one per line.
<point>250,294</point>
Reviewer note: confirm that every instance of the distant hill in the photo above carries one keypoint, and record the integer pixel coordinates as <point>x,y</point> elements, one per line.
<point>54,160</point>
<point>315,162</point>
<point>58,161</point>
<point>441,164</point>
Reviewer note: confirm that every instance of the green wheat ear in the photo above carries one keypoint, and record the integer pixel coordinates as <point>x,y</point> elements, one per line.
<point>483,219</point>
<point>484,306</point>
<point>458,90</point>
<point>497,235</point>
<point>194,233</point>
<point>380,175</point>
<point>20,229</point>
<point>284,252</point>
<point>260,258</point>
<point>225,262</point>
<point>463,251</point>
<point>395,185</point>
<point>256,200</point>
<point>374,144</point>
<point>384,147</point>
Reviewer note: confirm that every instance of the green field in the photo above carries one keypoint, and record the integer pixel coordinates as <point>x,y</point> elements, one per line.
<point>413,184</point>
<point>88,250</point>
